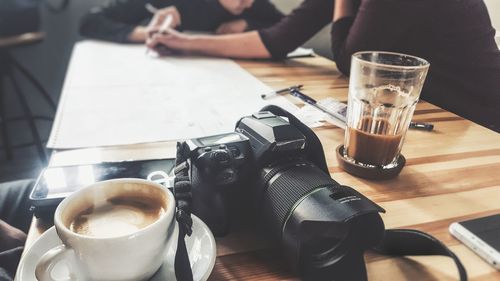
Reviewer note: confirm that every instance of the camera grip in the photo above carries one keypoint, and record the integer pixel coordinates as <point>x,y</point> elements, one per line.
<point>210,206</point>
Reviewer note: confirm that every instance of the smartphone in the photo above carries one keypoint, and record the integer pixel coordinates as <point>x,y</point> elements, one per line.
<point>481,235</point>
<point>55,183</point>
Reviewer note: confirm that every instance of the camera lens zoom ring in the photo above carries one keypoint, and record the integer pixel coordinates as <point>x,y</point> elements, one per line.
<point>286,188</point>
<point>280,168</point>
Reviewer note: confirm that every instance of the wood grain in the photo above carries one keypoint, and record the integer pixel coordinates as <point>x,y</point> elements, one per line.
<point>452,174</point>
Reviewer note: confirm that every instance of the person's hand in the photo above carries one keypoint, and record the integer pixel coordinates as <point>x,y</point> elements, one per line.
<point>159,17</point>
<point>235,26</point>
<point>236,7</point>
<point>138,35</point>
<point>169,42</point>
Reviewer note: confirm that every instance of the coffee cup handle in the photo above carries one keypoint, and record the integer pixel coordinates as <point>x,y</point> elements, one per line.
<point>49,260</point>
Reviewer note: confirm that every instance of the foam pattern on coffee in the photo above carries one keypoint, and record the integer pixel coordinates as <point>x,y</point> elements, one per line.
<point>116,218</point>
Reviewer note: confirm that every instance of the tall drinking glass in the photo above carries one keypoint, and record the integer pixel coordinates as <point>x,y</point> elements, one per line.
<point>384,89</point>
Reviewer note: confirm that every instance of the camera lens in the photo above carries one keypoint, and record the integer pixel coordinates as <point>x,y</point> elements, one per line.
<point>324,248</point>
<point>283,186</point>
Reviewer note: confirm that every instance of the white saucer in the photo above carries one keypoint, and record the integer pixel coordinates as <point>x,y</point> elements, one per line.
<point>200,245</point>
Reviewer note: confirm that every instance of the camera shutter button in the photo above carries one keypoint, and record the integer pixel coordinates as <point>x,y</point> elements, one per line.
<point>236,152</point>
<point>221,156</point>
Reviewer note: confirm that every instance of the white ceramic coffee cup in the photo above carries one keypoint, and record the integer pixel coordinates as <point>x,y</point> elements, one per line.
<point>134,256</point>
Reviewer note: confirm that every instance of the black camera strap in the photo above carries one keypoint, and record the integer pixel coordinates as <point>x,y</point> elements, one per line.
<point>183,199</point>
<point>411,242</point>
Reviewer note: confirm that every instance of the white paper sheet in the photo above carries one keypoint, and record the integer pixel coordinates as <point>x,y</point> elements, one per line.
<point>300,53</point>
<point>116,94</point>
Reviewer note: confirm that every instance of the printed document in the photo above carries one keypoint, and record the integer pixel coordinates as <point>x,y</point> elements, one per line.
<point>117,95</point>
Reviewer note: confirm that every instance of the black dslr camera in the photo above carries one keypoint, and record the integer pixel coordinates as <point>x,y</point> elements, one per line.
<point>275,167</point>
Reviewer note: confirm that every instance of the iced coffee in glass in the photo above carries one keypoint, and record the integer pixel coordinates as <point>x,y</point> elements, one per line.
<point>384,89</point>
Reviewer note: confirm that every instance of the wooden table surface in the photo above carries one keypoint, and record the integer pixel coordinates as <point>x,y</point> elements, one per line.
<point>451,174</point>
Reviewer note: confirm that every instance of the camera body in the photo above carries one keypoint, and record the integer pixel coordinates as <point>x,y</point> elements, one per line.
<point>219,165</point>
<point>224,167</point>
<point>274,167</point>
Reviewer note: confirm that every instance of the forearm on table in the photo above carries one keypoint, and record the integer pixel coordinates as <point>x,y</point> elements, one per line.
<point>138,35</point>
<point>242,45</point>
<point>100,27</point>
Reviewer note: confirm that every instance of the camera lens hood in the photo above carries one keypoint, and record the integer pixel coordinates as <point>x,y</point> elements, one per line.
<point>327,230</point>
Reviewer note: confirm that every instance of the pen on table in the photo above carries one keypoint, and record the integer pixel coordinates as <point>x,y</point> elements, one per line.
<point>271,94</point>
<point>342,118</point>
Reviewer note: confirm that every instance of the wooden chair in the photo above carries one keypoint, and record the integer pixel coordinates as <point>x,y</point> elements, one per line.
<point>9,66</point>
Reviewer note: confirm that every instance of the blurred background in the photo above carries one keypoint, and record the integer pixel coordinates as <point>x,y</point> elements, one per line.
<point>48,61</point>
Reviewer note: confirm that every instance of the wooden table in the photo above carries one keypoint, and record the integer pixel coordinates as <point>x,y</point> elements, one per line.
<point>451,174</point>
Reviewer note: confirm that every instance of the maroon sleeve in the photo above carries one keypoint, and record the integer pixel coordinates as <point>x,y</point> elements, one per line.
<point>262,14</point>
<point>297,27</point>
<point>379,25</point>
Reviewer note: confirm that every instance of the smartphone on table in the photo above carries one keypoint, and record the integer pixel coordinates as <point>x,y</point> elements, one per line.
<point>481,235</point>
<point>55,183</point>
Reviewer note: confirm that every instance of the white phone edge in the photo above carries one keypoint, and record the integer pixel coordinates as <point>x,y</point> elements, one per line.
<point>478,246</point>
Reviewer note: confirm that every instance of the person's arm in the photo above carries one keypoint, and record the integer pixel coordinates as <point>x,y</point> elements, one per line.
<point>276,41</point>
<point>262,14</point>
<point>378,25</point>
<point>296,28</point>
<point>11,246</point>
<point>241,45</point>
<point>118,20</point>
<point>343,9</point>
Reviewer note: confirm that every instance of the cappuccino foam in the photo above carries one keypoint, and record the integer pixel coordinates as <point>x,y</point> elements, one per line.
<point>119,216</point>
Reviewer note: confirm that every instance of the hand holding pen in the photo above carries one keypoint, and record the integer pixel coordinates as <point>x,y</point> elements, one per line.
<point>162,20</point>
<point>162,24</point>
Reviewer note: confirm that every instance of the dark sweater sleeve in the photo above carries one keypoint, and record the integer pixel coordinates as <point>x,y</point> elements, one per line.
<point>202,15</point>
<point>295,29</point>
<point>262,14</point>
<point>11,247</point>
<point>115,20</point>
<point>9,261</point>
<point>339,33</point>
<point>378,25</point>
